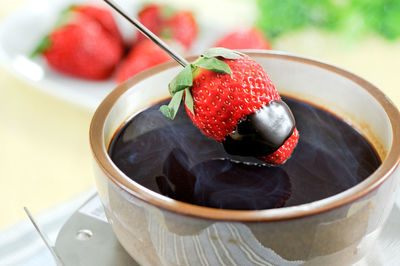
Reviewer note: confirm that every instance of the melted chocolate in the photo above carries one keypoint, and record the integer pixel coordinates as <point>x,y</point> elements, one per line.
<point>175,159</point>
<point>234,185</point>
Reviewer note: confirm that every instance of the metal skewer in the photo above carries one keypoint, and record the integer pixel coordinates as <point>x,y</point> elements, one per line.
<point>44,238</point>
<point>149,34</point>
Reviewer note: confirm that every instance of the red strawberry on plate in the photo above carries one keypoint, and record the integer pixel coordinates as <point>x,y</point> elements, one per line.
<point>103,16</point>
<point>143,55</point>
<point>183,27</point>
<point>151,16</point>
<point>230,98</point>
<point>169,23</point>
<point>244,39</point>
<point>81,48</point>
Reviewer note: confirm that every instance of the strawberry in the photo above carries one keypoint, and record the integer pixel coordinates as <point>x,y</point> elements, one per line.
<point>183,28</point>
<point>234,96</point>
<point>103,16</point>
<point>284,152</point>
<point>151,17</point>
<point>81,48</point>
<point>244,39</point>
<point>142,56</point>
<point>169,23</point>
<point>230,98</point>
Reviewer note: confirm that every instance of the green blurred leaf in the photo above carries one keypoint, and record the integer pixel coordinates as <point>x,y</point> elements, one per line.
<point>358,17</point>
<point>43,45</point>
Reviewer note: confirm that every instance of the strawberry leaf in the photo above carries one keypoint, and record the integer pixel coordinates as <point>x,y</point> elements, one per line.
<point>213,64</point>
<point>189,100</point>
<point>66,16</point>
<point>41,47</point>
<point>166,33</point>
<point>182,81</point>
<point>164,109</point>
<point>167,11</point>
<point>223,52</point>
<point>171,109</point>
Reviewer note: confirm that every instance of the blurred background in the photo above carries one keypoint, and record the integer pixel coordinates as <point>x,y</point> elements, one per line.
<point>45,112</point>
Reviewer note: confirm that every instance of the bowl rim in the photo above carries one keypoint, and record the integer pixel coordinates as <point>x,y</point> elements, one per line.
<point>388,166</point>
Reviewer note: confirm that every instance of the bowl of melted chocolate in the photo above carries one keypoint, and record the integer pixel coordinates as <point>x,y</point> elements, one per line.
<point>173,196</point>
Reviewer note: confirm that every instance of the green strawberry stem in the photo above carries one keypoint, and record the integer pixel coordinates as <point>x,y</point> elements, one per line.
<point>223,52</point>
<point>213,64</point>
<point>66,16</point>
<point>166,33</point>
<point>171,109</point>
<point>180,85</point>
<point>167,11</point>
<point>43,45</point>
<point>182,81</point>
<point>189,100</point>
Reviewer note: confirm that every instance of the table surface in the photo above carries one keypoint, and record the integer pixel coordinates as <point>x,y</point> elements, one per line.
<point>45,156</point>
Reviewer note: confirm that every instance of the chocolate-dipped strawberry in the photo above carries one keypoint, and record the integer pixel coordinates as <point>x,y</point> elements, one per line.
<point>231,99</point>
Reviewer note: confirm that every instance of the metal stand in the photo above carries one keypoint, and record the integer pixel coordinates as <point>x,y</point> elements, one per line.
<point>87,239</point>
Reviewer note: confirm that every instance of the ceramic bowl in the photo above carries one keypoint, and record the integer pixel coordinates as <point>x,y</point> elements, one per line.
<point>338,230</point>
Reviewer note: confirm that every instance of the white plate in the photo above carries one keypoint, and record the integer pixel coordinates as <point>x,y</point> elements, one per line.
<point>21,32</point>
